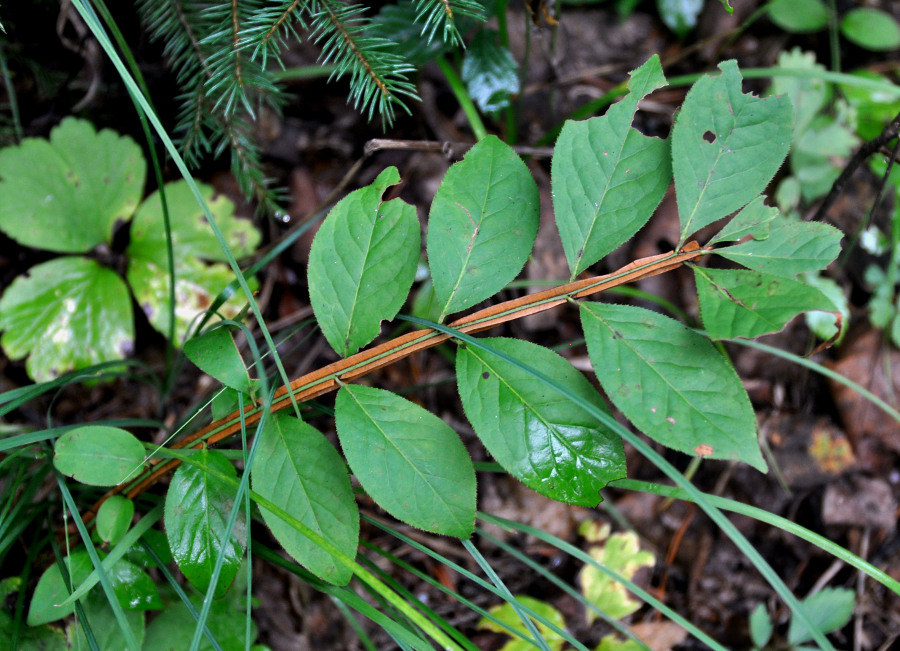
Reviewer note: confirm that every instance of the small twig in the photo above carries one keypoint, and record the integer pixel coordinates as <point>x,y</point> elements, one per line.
<point>889,133</point>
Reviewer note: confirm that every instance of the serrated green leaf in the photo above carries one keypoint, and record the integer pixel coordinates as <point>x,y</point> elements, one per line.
<point>482,225</point>
<point>871,28</point>
<point>305,476</point>
<point>197,283</point>
<point>679,15</point>
<point>66,314</point>
<point>799,16</point>
<point>621,553</point>
<point>104,625</point>
<point>66,194</point>
<point>99,455</point>
<point>753,220</point>
<point>508,616</point>
<point>198,506</point>
<point>114,518</point>
<point>215,353</point>
<point>537,435</point>
<point>362,264</point>
<point>830,610</point>
<point>408,460</point>
<point>490,72</point>
<point>726,147</point>
<point>671,383</point>
<point>607,177</point>
<point>741,303</point>
<point>791,248</point>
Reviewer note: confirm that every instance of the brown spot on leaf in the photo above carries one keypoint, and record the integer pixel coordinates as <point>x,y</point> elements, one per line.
<point>703,450</point>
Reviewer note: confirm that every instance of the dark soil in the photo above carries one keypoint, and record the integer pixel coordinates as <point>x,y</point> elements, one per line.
<point>837,454</point>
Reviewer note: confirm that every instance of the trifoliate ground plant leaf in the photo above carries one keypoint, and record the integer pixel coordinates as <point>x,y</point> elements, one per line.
<point>198,506</point>
<point>65,194</point>
<point>99,455</point>
<point>408,460</point>
<point>64,326</point>
<point>362,264</point>
<point>671,383</point>
<point>197,280</point>
<point>482,225</point>
<point>535,433</point>
<point>742,303</point>
<point>510,619</point>
<point>607,177</point>
<point>726,147</point>
<point>621,553</point>
<point>305,476</point>
<point>490,72</point>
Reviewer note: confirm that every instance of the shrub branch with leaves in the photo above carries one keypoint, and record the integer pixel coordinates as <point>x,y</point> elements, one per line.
<point>542,421</point>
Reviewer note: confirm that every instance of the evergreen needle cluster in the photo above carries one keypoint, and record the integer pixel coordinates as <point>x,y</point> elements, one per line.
<point>223,53</point>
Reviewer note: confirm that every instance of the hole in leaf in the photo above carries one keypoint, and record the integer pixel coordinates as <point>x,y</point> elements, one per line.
<point>709,136</point>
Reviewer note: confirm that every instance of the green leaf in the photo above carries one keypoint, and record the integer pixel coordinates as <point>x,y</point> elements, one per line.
<point>621,553</point>
<point>198,506</point>
<point>303,474</point>
<point>726,147</point>
<point>66,194</point>
<point>490,72</point>
<point>760,626</point>
<point>536,434</point>
<point>99,455</point>
<point>482,226</point>
<point>825,324</point>
<point>741,303</point>
<point>671,383</point>
<point>799,16</point>
<point>753,220</point>
<point>114,518</point>
<point>66,314</point>
<point>196,281</point>
<point>679,15</point>
<point>874,109</point>
<point>608,178</point>
<point>508,616</point>
<point>134,589</point>
<point>30,638</point>
<point>174,627</point>
<point>362,264</point>
<point>816,159</point>
<point>808,95</point>
<point>830,610</point>
<point>407,459</point>
<point>104,625</point>
<point>215,353</point>
<point>791,248</point>
<point>192,236</point>
<point>871,28</point>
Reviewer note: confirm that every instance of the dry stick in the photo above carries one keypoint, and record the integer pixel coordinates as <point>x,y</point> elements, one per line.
<point>326,379</point>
